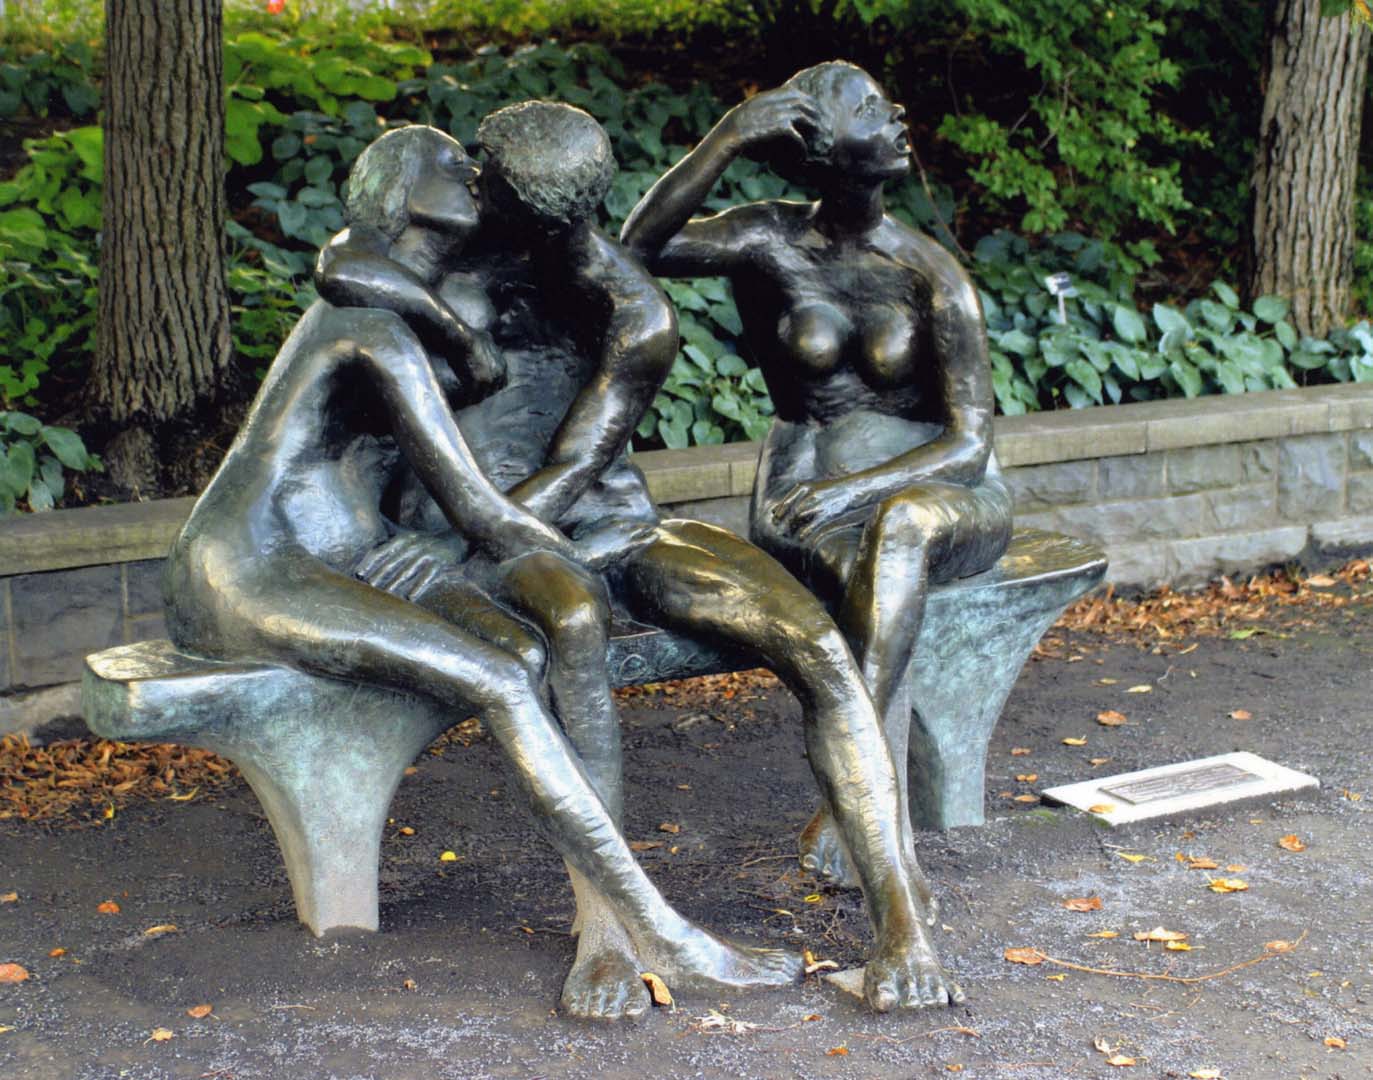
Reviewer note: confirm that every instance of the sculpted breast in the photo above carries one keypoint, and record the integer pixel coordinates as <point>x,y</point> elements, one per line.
<point>888,346</point>
<point>814,336</point>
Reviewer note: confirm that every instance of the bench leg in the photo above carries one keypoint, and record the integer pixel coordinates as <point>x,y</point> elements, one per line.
<point>325,776</point>
<point>966,662</point>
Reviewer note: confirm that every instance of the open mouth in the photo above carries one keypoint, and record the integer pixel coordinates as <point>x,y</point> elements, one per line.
<point>902,141</point>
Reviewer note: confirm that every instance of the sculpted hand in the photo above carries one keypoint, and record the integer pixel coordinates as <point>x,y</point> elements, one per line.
<point>811,503</point>
<point>407,563</point>
<point>609,543</point>
<point>774,114</point>
<point>485,366</point>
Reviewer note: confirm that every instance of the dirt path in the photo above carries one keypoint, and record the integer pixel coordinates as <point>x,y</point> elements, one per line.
<point>463,981</point>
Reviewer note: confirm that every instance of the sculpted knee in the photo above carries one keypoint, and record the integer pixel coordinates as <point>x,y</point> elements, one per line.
<point>915,518</point>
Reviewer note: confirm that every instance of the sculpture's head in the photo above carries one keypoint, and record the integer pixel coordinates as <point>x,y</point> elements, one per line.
<point>414,176</point>
<point>860,135</point>
<point>548,165</point>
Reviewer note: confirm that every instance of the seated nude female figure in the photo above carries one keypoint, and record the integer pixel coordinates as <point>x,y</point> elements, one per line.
<point>588,339</point>
<point>288,558</point>
<point>877,477</point>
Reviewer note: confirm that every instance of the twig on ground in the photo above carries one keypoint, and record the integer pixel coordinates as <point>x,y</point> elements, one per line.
<point>957,1028</point>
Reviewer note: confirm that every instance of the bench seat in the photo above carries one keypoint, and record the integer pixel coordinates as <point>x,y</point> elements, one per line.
<point>325,756</point>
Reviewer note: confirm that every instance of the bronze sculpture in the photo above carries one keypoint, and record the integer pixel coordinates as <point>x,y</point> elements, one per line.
<point>587,339</point>
<point>878,476</point>
<point>287,557</point>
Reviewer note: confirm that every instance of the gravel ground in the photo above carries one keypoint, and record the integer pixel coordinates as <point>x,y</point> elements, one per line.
<point>463,980</point>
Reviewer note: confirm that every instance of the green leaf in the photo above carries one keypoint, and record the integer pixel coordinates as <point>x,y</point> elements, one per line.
<point>16,469</point>
<point>68,448</point>
<point>1271,309</point>
<point>1228,296</point>
<point>1188,377</point>
<point>1129,327</point>
<point>40,497</point>
<point>23,227</point>
<point>1086,376</point>
<point>1171,319</point>
<point>22,423</point>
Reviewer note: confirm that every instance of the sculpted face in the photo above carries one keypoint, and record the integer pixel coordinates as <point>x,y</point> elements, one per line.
<point>870,139</point>
<point>441,196</point>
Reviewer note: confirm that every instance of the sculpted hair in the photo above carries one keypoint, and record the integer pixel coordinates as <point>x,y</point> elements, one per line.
<point>554,157</point>
<point>381,178</point>
<point>821,82</point>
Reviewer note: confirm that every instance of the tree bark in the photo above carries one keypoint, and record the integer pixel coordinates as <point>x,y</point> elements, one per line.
<point>1301,243</point>
<point>164,342</point>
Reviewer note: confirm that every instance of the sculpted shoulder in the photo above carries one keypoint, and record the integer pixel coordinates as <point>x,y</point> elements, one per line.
<point>949,283</point>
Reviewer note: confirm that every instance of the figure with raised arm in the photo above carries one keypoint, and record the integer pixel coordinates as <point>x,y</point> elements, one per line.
<point>877,477</point>
<point>588,338</point>
<point>291,557</point>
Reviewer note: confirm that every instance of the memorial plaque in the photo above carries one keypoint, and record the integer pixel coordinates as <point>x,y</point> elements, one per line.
<point>1169,785</point>
<point>1182,788</point>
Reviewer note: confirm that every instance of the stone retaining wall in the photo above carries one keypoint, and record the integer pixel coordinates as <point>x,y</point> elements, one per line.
<point>1175,491</point>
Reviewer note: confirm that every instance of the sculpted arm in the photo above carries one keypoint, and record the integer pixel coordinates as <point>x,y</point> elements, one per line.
<point>429,438</point>
<point>659,230</point>
<point>354,270</point>
<point>637,344</point>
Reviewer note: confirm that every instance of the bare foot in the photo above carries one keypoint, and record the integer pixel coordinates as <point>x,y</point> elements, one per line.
<point>823,853</point>
<point>699,959</point>
<point>904,973</point>
<point>604,984</point>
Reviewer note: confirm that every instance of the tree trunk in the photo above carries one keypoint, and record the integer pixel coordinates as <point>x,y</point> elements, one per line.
<point>164,342</point>
<point>1301,243</point>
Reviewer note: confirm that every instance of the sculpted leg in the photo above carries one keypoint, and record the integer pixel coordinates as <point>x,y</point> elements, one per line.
<point>705,581</point>
<point>569,606</point>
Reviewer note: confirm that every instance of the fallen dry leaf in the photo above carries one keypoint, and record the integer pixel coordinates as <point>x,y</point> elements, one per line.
<point>644,845</point>
<point>1024,956</point>
<point>448,856</point>
<point>1131,857</point>
<point>160,929</point>
<point>12,973</point>
<point>1291,842</point>
<point>953,1068</point>
<point>670,827</point>
<point>409,984</point>
<point>837,1051</point>
<point>1241,714</point>
<point>1056,978</point>
<point>1020,751</point>
<point>1104,934</point>
<point>1205,1074</point>
<point>1101,808</point>
<point>1178,946</point>
<point>187,797</point>
<point>1142,688</point>
<point>1236,868</point>
<point>107,907</point>
<point>1083,903</point>
<point>406,830</point>
<point>1120,1061</point>
<point>813,898</point>
<point>1108,682</point>
<point>657,989</point>
<point>1321,581</point>
<point>1026,798</point>
<point>1098,760</point>
<point>199,1012</point>
<point>1201,862</point>
<point>1110,718</point>
<point>810,1017</point>
<point>59,951</point>
<point>9,898</point>
<point>1070,741</point>
<point>1100,1044</point>
<point>1228,885</point>
<point>1024,778</point>
<point>1335,1042</point>
<point>159,1035</point>
<point>1280,946</point>
<point>1158,933</point>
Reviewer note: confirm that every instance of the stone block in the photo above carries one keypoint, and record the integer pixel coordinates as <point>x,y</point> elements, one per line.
<point>731,513</point>
<point>1361,449</point>
<point>1197,561</point>
<point>1243,507</point>
<point>1131,520</point>
<point>1199,468</point>
<point>1258,461</point>
<point>1350,404</point>
<point>1139,565</point>
<point>4,634</point>
<point>1311,471</point>
<point>1361,493</point>
<point>1347,534</point>
<point>145,628</point>
<point>1132,476</point>
<point>143,587</point>
<point>1040,487</point>
<point>61,616</point>
<point>1068,434</point>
